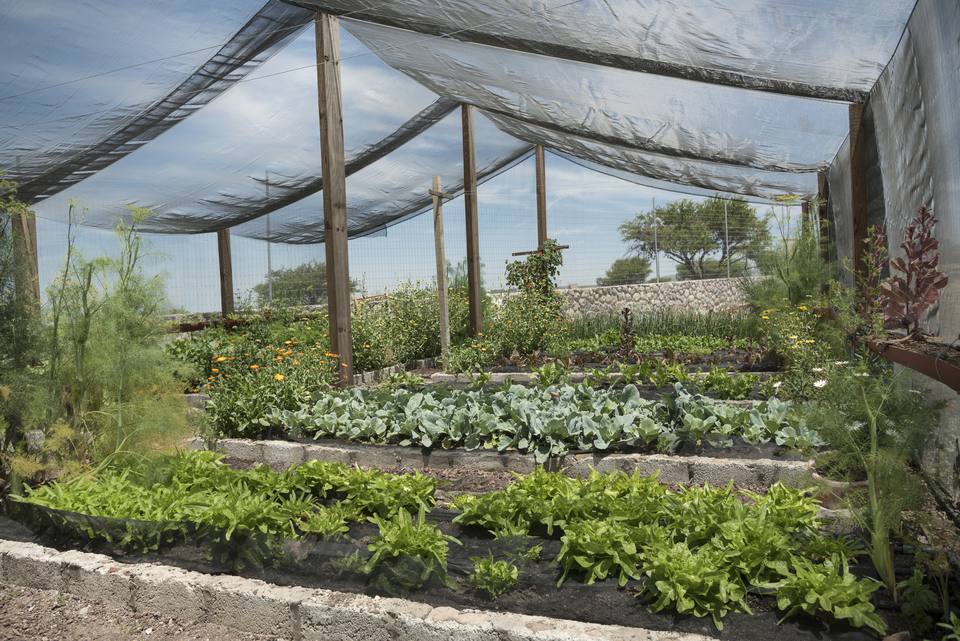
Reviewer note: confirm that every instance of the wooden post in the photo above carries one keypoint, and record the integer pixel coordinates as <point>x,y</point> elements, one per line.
<point>858,184</point>
<point>541,197</point>
<point>226,272</point>
<point>441,271</point>
<point>473,230</point>
<point>334,192</point>
<point>823,216</point>
<point>24,232</point>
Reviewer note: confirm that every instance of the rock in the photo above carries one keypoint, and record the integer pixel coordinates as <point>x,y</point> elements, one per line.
<point>35,440</point>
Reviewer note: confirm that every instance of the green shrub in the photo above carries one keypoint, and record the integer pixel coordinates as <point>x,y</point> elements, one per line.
<point>408,553</point>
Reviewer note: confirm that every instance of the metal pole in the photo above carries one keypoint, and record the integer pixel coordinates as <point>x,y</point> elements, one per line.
<point>266,189</point>
<point>656,243</point>
<point>726,236</point>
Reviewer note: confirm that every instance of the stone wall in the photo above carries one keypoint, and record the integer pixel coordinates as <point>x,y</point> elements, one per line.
<point>711,295</point>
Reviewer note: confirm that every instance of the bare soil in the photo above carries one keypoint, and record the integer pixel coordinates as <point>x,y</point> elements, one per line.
<point>47,615</point>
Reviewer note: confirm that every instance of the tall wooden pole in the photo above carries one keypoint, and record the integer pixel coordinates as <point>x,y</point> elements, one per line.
<point>541,197</point>
<point>441,271</point>
<point>823,215</point>
<point>226,272</point>
<point>473,230</point>
<point>334,192</point>
<point>858,183</point>
<point>24,231</point>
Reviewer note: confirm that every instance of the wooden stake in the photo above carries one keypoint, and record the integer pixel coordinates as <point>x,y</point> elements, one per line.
<point>226,272</point>
<point>858,184</point>
<point>334,192</point>
<point>541,197</point>
<point>473,230</point>
<point>441,271</point>
<point>24,232</point>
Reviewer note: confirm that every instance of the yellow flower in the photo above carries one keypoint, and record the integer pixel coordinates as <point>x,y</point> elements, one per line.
<point>278,377</point>
<point>215,370</point>
<point>793,338</point>
<point>254,367</point>
<point>765,317</point>
<point>288,342</point>
<point>802,308</point>
<point>220,359</point>
<point>331,355</point>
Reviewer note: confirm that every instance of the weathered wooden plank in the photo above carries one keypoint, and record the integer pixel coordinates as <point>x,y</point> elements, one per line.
<point>541,197</point>
<point>858,183</point>
<point>473,229</point>
<point>437,194</point>
<point>226,272</point>
<point>334,192</point>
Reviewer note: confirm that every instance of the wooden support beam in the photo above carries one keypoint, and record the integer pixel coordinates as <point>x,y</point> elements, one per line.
<point>226,272</point>
<point>334,177</point>
<point>24,232</point>
<point>438,194</point>
<point>858,183</point>
<point>473,228</point>
<point>823,216</point>
<point>541,197</point>
<point>539,250</point>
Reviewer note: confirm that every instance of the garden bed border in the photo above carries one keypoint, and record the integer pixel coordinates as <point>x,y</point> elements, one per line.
<point>672,469</point>
<point>296,613</point>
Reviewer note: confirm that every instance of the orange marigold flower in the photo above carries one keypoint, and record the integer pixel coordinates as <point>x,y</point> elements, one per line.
<point>220,359</point>
<point>215,370</point>
<point>331,355</point>
<point>254,367</point>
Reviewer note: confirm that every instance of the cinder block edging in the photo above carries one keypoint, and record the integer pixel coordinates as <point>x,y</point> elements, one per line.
<point>673,469</point>
<point>295,613</point>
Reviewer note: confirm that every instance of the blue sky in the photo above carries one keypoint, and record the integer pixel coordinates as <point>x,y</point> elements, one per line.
<point>269,124</point>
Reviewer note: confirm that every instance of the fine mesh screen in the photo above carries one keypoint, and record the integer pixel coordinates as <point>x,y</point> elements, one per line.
<point>829,48</point>
<point>65,118</point>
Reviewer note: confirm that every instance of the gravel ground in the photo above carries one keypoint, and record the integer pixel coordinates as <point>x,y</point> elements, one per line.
<point>47,615</point>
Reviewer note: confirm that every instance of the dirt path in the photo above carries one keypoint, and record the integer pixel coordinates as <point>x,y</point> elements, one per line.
<point>46,615</point>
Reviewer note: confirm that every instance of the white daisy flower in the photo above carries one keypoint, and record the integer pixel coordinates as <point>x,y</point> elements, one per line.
<point>816,369</point>
<point>777,384</point>
<point>841,363</point>
<point>821,383</point>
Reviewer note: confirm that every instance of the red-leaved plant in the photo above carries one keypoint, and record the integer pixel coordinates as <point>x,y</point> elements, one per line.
<point>908,296</point>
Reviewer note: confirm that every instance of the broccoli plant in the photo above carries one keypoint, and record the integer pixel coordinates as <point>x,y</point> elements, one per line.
<point>910,294</point>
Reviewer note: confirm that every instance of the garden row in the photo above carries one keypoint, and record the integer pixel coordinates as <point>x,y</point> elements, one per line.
<point>695,551</point>
<point>546,421</point>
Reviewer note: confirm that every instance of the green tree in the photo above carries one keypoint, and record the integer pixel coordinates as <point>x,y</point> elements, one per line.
<point>692,233</point>
<point>304,284</point>
<point>626,271</point>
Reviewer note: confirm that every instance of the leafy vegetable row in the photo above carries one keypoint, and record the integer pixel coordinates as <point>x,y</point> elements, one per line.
<point>547,421</point>
<point>696,550</point>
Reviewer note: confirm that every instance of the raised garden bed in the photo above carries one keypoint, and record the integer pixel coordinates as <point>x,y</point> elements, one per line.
<point>202,503</point>
<point>938,361</point>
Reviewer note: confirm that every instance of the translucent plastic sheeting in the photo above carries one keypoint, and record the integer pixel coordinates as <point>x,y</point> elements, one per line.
<point>84,83</point>
<point>762,134</point>
<point>914,109</point>
<point>825,48</point>
<point>679,171</point>
<point>661,185</point>
<point>258,146</point>
<point>397,186</point>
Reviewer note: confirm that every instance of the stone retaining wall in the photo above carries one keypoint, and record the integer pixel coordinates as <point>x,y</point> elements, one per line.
<point>672,469</point>
<point>713,295</point>
<point>289,613</point>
